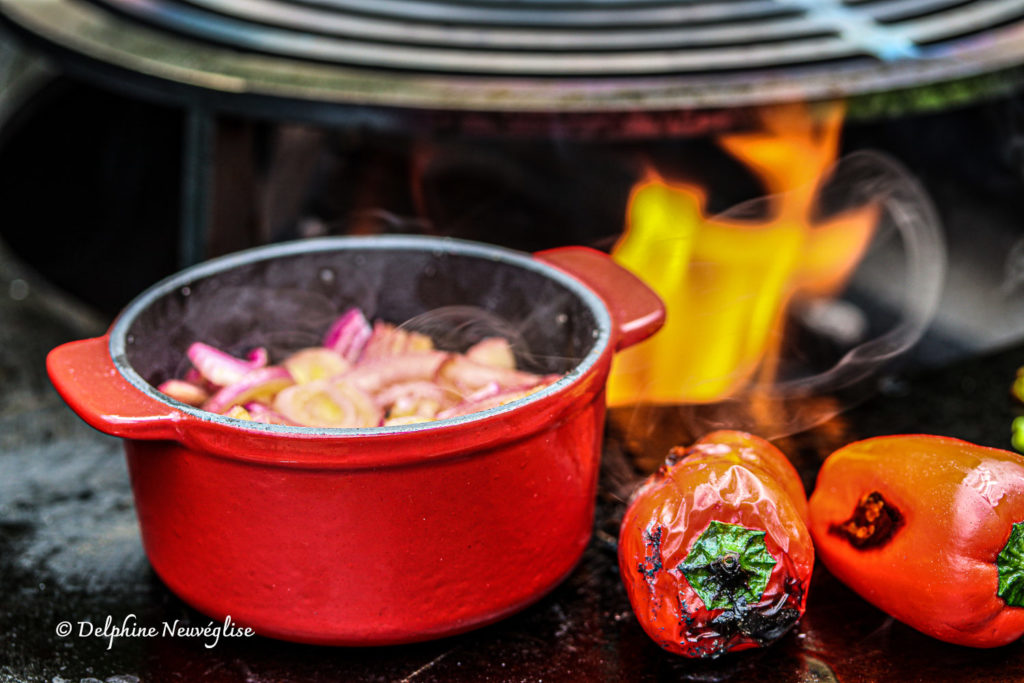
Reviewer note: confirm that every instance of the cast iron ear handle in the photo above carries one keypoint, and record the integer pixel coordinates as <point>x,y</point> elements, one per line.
<point>636,311</point>
<point>85,377</point>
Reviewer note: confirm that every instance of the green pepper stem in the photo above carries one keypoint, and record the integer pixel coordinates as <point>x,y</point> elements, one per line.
<point>1010,563</point>
<point>728,566</point>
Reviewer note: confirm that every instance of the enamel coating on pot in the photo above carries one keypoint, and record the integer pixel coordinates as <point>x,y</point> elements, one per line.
<point>372,556</point>
<point>367,537</point>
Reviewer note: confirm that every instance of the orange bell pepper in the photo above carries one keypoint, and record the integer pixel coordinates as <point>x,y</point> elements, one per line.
<point>930,530</point>
<point>714,550</point>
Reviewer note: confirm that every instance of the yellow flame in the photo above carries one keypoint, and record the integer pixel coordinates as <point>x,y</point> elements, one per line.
<point>726,282</point>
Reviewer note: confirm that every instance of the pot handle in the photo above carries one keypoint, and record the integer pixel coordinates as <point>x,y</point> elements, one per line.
<point>637,312</point>
<point>85,377</point>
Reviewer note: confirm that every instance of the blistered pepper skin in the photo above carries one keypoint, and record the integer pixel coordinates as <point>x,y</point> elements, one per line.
<point>923,528</point>
<point>714,551</point>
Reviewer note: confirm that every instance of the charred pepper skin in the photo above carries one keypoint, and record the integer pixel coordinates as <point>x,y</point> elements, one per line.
<point>714,550</point>
<point>930,530</point>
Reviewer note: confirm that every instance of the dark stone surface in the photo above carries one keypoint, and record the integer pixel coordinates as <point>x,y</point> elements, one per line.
<point>70,551</point>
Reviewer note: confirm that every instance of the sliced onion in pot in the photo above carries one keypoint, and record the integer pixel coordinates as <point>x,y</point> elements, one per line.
<point>465,377</point>
<point>257,385</point>
<point>349,334</point>
<point>193,376</point>
<point>492,401</point>
<point>309,365</point>
<point>405,420</point>
<point>412,399</point>
<point>328,403</point>
<point>388,340</point>
<point>238,412</point>
<point>363,376</point>
<point>258,358</point>
<point>261,412</point>
<point>220,368</point>
<point>486,391</point>
<point>493,351</point>
<point>420,389</point>
<point>373,375</point>
<point>184,391</point>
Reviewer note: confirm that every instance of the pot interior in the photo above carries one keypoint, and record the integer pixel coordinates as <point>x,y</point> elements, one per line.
<point>285,299</point>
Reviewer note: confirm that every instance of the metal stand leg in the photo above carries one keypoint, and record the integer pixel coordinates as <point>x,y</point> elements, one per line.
<point>196,190</point>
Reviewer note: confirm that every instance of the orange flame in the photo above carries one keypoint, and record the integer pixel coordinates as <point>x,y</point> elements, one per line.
<point>726,282</point>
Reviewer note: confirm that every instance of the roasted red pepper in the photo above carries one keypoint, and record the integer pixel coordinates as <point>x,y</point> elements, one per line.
<point>714,550</point>
<point>930,530</point>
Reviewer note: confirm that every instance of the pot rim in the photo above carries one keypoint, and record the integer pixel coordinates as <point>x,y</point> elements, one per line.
<point>119,330</point>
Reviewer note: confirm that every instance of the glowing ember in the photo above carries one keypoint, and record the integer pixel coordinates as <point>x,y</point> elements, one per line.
<point>726,282</point>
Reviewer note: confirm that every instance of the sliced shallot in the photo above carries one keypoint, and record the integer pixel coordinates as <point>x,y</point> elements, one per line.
<point>363,376</point>
<point>412,399</point>
<point>493,351</point>
<point>405,420</point>
<point>309,365</point>
<point>257,385</point>
<point>184,391</point>
<point>349,334</point>
<point>492,401</point>
<point>220,368</point>
<point>261,412</point>
<point>238,412</point>
<point>258,357</point>
<point>388,340</point>
<point>373,375</point>
<point>419,389</point>
<point>328,403</point>
<point>465,377</point>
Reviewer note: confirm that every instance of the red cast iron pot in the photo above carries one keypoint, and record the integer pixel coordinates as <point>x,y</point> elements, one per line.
<point>363,536</point>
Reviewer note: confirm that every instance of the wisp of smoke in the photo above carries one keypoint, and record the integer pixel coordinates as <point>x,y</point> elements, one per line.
<point>783,407</point>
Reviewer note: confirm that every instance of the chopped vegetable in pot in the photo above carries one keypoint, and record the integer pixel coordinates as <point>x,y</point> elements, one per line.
<point>363,376</point>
